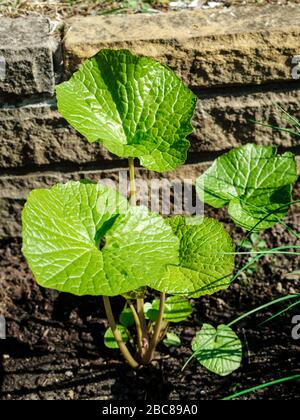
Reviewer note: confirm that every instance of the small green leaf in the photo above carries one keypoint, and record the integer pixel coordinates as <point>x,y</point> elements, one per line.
<point>109,339</point>
<point>61,240</point>
<point>252,181</point>
<point>151,310</point>
<point>257,241</point>
<point>177,309</point>
<point>172,340</point>
<point>219,350</point>
<point>246,244</point>
<point>255,238</point>
<point>206,258</point>
<point>147,311</point>
<point>255,244</point>
<point>126,317</point>
<point>133,105</point>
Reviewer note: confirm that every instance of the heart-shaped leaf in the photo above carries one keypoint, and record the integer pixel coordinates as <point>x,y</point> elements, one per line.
<point>253,181</point>
<point>206,258</point>
<point>133,105</point>
<point>85,239</point>
<point>219,350</point>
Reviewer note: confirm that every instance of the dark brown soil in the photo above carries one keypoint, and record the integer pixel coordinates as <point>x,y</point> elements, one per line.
<point>54,348</point>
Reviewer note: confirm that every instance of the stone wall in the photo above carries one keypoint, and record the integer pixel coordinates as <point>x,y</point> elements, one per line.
<point>238,62</point>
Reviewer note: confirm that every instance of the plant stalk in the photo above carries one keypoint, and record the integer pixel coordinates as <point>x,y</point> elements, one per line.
<point>140,301</point>
<point>145,338</point>
<point>157,330</point>
<point>138,328</point>
<point>117,335</point>
<point>133,193</point>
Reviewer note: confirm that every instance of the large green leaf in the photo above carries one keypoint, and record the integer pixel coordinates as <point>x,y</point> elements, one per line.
<point>177,309</point>
<point>63,229</point>
<point>253,181</point>
<point>219,350</point>
<point>206,258</point>
<point>133,105</point>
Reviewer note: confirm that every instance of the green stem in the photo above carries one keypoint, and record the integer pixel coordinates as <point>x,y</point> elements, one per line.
<point>262,386</point>
<point>140,301</point>
<point>141,314</point>
<point>117,335</point>
<point>138,327</point>
<point>133,198</point>
<point>157,330</point>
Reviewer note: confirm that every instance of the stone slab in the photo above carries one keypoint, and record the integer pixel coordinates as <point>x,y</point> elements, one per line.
<point>206,48</point>
<point>28,48</point>
<point>227,120</point>
<point>37,135</point>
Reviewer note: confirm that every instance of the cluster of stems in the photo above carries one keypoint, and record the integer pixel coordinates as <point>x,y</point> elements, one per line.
<point>147,339</point>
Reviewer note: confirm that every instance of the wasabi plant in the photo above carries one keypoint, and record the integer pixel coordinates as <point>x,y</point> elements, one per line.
<point>255,184</point>
<point>85,238</point>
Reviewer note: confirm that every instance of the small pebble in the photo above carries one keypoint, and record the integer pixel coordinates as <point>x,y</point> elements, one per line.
<point>69,374</point>
<point>71,394</point>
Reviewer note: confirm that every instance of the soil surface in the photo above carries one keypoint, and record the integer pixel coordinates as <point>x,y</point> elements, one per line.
<point>54,347</point>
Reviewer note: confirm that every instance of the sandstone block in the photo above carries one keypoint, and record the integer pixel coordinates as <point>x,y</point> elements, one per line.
<point>38,135</point>
<point>27,48</point>
<point>206,48</point>
<point>227,120</point>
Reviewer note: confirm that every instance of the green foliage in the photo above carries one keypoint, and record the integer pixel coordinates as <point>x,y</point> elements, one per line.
<point>148,311</point>
<point>133,105</point>
<point>219,350</point>
<point>109,339</point>
<point>126,317</point>
<point>254,182</point>
<point>255,244</point>
<point>177,309</point>
<point>206,258</point>
<point>293,124</point>
<point>62,230</point>
<point>85,238</point>
<point>136,6</point>
<point>172,340</point>
<point>279,381</point>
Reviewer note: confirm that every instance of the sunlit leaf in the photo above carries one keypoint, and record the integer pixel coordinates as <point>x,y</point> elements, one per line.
<point>252,181</point>
<point>133,105</point>
<point>219,350</point>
